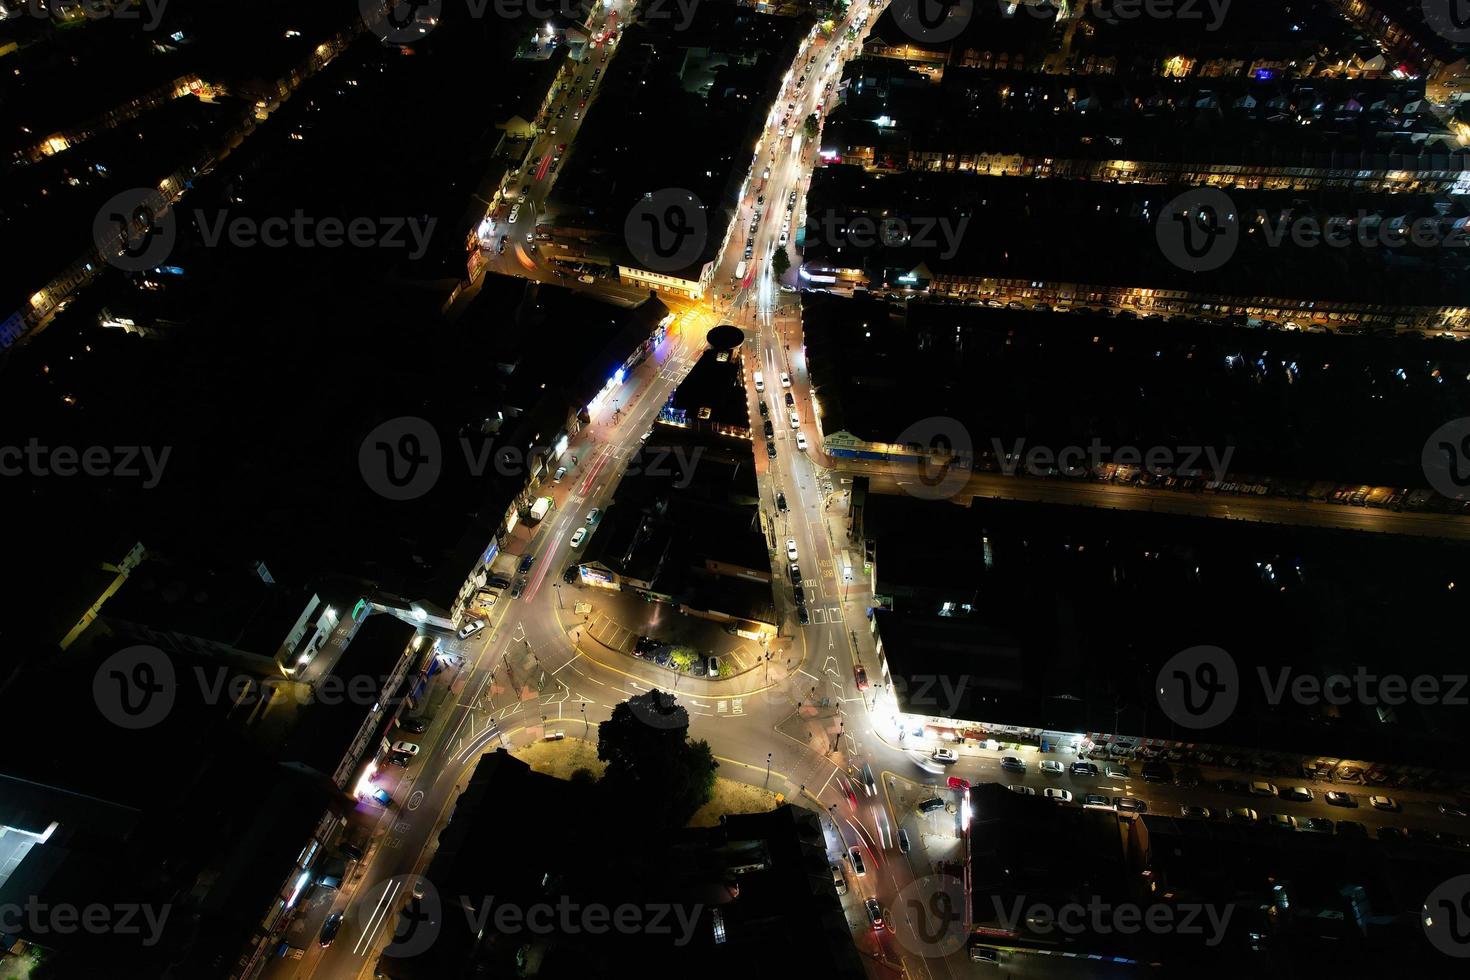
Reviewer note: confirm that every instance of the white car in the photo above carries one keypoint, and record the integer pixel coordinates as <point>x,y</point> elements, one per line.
<point>1051,767</point>
<point>946,755</point>
<point>515,213</point>
<point>785,380</point>
<point>783,241</point>
<point>1020,790</point>
<point>791,549</point>
<point>578,537</point>
<point>471,628</point>
<point>407,748</point>
<point>1060,795</point>
<point>795,421</point>
<point>801,440</point>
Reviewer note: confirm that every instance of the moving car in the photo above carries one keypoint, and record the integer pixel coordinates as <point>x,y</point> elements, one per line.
<point>862,677</point>
<point>781,502</point>
<point>786,378</point>
<point>875,912</point>
<point>330,929</point>
<point>1451,810</point>
<point>407,748</point>
<point>1051,767</point>
<point>471,628</point>
<point>800,440</point>
<point>578,537</point>
<point>945,755</point>
<point>870,785</point>
<point>791,549</point>
<point>903,841</point>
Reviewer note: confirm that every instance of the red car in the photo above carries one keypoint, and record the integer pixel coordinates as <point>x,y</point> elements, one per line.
<point>862,677</point>
<point>956,782</point>
<point>561,148</point>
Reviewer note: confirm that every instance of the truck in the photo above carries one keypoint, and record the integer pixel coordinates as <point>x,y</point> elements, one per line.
<point>539,509</point>
<point>740,270</point>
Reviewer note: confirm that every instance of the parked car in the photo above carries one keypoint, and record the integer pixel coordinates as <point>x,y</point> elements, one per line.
<point>1282,821</point>
<point>407,748</point>
<point>1096,799</point>
<point>470,628</point>
<point>856,857</point>
<point>931,804</point>
<point>1242,814</point>
<point>578,537</point>
<point>1020,790</point>
<point>1318,825</point>
<point>957,782</point>
<point>1385,803</point>
<point>791,549</point>
<point>382,797</point>
<point>1157,772</point>
<point>781,502</point>
<point>862,677</point>
<point>1451,810</point>
<point>1260,788</point>
<point>1130,804</point>
<point>903,841</point>
<point>1051,767</point>
<point>1012,764</point>
<point>1297,794</point>
<point>1057,795</point>
<point>1084,769</point>
<point>526,562</point>
<point>1351,828</point>
<point>839,880</point>
<point>416,725</point>
<point>1116,770</point>
<point>399,759</point>
<point>1339,798</point>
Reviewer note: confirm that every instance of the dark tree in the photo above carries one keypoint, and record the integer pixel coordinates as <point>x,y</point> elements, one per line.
<point>654,773</point>
<point>780,262</point>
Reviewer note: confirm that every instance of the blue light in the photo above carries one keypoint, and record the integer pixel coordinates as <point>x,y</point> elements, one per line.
<point>618,376</point>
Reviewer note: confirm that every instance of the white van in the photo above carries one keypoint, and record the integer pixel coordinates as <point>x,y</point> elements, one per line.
<point>760,383</point>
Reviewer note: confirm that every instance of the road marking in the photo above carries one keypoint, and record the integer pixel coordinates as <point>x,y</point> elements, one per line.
<point>722,706</point>
<point>737,706</point>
